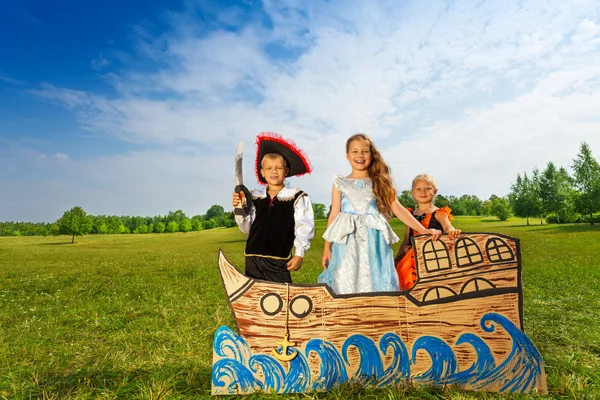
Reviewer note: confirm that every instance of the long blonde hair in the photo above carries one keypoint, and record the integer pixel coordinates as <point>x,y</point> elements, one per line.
<point>380,175</point>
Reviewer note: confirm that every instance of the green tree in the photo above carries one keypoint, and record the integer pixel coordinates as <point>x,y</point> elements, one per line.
<point>406,199</point>
<point>524,199</point>
<point>587,180</point>
<point>172,227</point>
<point>175,216</point>
<point>554,190</point>
<point>441,201</point>
<point>215,212</point>
<point>159,227</point>
<point>101,228</point>
<point>196,224</point>
<point>209,224</point>
<point>500,207</point>
<point>185,225</point>
<point>115,225</point>
<point>75,222</point>
<point>319,210</point>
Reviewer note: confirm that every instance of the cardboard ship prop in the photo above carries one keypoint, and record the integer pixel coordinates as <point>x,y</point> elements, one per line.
<point>461,324</point>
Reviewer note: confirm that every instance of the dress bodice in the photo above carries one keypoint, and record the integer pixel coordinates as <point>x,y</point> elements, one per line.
<point>357,195</point>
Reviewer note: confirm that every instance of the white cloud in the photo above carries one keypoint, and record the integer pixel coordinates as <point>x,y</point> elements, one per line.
<point>472,92</point>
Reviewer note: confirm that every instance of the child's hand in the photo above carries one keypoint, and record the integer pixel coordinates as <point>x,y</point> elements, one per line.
<point>238,200</point>
<point>453,234</point>
<point>294,264</point>
<point>435,233</point>
<point>326,257</point>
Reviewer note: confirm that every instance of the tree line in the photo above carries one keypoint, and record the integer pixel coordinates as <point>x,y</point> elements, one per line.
<point>552,194</point>
<point>557,196</point>
<point>76,222</point>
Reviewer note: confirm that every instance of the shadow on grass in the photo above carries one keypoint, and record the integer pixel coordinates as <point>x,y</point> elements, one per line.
<point>241,240</point>
<point>567,228</point>
<point>54,243</point>
<point>490,220</point>
<point>186,380</point>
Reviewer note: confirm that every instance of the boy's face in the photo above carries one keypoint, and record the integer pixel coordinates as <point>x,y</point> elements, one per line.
<point>273,170</point>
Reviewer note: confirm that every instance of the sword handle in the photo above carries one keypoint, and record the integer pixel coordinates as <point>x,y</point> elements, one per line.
<point>245,209</point>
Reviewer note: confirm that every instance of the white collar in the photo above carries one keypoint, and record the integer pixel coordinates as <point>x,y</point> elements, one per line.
<point>285,192</point>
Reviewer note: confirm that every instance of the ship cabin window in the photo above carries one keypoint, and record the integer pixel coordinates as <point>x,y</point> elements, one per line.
<point>498,251</point>
<point>435,255</point>
<point>438,292</point>
<point>467,252</point>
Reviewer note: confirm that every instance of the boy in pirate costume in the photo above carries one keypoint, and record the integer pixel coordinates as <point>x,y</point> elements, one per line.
<point>280,217</point>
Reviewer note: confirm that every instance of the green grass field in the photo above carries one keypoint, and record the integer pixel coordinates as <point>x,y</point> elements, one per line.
<point>133,316</point>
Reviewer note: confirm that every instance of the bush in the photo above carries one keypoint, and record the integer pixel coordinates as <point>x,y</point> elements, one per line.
<point>196,225</point>
<point>572,218</point>
<point>185,225</point>
<point>159,228</point>
<point>209,224</point>
<point>172,227</point>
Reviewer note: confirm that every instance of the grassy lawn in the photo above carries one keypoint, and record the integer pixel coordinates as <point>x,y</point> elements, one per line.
<point>133,316</point>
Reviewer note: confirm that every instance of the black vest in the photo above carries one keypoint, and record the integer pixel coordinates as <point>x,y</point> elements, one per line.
<point>272,232</point>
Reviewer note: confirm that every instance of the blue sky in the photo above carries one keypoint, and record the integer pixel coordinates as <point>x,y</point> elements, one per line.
<point>135,108</point>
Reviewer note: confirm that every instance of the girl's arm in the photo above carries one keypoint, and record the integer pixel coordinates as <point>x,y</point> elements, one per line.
<point>410,221</point>
<point>336,207</point>
<point>447,225</point>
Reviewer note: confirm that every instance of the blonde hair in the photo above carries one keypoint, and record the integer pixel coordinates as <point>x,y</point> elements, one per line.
<point>424,177</point>
<point>380,174</point>
<point>274,156</point>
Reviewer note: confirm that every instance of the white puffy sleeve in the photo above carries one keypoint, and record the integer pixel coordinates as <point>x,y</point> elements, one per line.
<point>305,225</point>
<point>244,221</point>
<point>337,182</point>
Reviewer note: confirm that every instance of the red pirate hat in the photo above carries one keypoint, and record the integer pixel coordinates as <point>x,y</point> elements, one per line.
<point>269,142</point>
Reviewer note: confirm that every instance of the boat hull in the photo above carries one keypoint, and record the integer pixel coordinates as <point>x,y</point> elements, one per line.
<point>461,324</point>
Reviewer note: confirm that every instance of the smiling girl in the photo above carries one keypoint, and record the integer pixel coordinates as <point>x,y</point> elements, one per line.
<point>358,255</point>
<point>424,190</point>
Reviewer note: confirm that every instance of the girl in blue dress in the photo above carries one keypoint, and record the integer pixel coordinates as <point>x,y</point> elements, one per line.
<point>357,257</point>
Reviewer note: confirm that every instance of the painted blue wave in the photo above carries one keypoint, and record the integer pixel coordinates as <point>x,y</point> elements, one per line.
<point>483,364</point>
<point>239,371</point>
<point>272,370</point>
<point>228,344</point>
<point>521,370</point>
<point>399,369</point>
<point>239,376</point>
<point>298,378</point>
<point>370,368</point>
<point>443,360</point>
<point>333,369</point>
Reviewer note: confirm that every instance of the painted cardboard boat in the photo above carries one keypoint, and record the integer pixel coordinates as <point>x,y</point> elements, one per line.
<point>462,324</point>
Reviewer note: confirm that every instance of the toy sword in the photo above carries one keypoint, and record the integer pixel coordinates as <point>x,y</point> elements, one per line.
<point>239,183</point>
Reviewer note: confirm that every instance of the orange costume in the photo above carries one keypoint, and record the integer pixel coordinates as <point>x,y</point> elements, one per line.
<point>407,271</point>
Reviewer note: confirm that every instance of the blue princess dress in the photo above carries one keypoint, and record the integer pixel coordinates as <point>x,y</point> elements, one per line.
<point>361,252</point>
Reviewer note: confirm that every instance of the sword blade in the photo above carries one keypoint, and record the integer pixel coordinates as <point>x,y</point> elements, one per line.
<point>239,156</point>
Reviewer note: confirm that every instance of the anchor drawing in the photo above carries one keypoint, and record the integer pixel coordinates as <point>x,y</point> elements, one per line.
<point>285,344</point>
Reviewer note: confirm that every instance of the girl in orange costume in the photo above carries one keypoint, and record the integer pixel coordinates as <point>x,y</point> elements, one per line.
<point>424,191</point>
